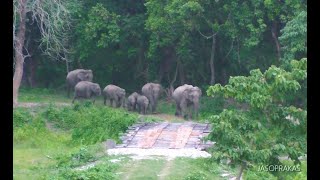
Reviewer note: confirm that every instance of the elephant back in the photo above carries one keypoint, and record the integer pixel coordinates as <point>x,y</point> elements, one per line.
<point>78,75</point>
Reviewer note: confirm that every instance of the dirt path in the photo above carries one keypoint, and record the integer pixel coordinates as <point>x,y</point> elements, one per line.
<point>33,104</point>
<point>166,170</point>
<point>166,117</point>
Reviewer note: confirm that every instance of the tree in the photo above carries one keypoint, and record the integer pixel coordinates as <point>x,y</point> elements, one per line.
<point>53,20</point>
<point>294,36</point>
<point>270,126</point>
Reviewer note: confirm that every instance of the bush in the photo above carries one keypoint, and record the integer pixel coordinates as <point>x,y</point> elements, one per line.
<point>270,126</point>
<point>100,171</point>
<point>21,117</point>
<point>77,158</point>
<point>210,106</point>
<point>91,124</point>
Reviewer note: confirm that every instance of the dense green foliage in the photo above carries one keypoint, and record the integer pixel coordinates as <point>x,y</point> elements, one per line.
<point>57,153</point>
<point>90,124</point>
<point>129,44</point>
<point>271,125</point>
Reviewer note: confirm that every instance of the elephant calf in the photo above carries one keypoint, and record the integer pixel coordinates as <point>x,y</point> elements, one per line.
<point>142,104</point>
<point>114,93</point>
<point>132,101</point>
<point>86,89</point>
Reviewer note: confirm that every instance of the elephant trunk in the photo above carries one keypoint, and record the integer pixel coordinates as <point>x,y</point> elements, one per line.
<point>123,100</point>
<point>196,107</point>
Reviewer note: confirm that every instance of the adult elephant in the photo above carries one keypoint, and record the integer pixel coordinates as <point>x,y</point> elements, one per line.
<point>114,93</point>
<point>186,96</point>
<point>76,76</point>
<point>152,91</point>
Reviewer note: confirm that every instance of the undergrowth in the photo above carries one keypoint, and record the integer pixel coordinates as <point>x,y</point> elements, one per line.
<point>44,153</point>
<point>90,124</point>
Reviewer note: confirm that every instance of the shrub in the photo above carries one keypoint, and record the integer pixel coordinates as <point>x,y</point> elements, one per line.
<point>91,124</point>
<point>210,106</point>
<point>198,175</point>
<point>21,117</point>
<point>271,126</point>
<point>100,171</point>
<point>73,159</point>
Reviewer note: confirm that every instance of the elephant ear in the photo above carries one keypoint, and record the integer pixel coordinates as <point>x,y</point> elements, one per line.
<point>122,92</point>
<point>81,75</point>
<point>198,89</point>
<point>95,88</point>
<point>187,93</point>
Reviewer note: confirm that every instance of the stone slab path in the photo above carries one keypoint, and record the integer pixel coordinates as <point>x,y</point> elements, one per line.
<point>166,135</point>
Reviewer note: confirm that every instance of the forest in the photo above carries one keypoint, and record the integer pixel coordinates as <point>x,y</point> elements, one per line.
<point>248,58</point>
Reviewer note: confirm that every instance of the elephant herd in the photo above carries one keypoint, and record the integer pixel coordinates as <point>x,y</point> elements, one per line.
<point>185,96</point>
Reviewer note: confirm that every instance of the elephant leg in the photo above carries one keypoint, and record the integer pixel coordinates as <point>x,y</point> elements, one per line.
<point>183,108</point>
<point>151,105</point>
<point>189,115</point>
<point>74,98</point>
<point>68,90</point>
<point>119,103</point>
<point>104,100</point>
<point>94,100</point>
<point>154,105</point>
<point>178,109</point>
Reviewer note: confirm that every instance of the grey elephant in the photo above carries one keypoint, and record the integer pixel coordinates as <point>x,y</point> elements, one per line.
<point>76,76</point>
<point>152,91</point>
<point>142,104</point>
<point>114,93</point>
<point>186,96</point>
<point>86,90</point>
<point>132,101</point>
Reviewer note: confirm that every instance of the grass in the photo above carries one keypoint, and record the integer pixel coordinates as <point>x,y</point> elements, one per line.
<point>176,169</point>
<point>40,152</point>
<point>42,95</point>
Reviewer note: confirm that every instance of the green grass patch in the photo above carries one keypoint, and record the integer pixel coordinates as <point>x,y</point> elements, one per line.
<point>177,169</point>
<point>147,169</point>
<point>91,124</point>
<point>42,95</point>
<point>40,152</point>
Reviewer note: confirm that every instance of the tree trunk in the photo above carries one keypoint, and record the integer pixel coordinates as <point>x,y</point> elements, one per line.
<point>170,89</point>
<point>32,70</point>
<point>243,165</point>
<point>181,74</point>
<point>79,64</point>
<point>18,72</point>
<point>274,33</point>
<point>224,75</point>
<point>67,66</point>
<point>213,49</point>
